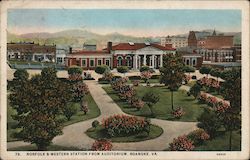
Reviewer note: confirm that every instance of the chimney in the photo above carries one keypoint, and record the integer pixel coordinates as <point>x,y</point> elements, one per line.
<point>70,50</point>
<point>109,46</point>
<point>168,45</point>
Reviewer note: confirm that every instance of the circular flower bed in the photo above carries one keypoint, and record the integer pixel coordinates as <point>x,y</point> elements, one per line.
<point>102,145</point>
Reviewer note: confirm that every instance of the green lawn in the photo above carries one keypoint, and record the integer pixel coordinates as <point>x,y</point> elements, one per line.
<point>99,132</point>
<point>150,81</point>
<point>221,143</point>
<point>193,109</point>
<point>94,111</point>
<point>50,148</point>
<point>191,83</point>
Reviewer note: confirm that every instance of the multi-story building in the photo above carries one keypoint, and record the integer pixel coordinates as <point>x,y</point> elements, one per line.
<point>175,41</point>
<point>61,55</point>
<point>89,47</point>
<point>31,52</point>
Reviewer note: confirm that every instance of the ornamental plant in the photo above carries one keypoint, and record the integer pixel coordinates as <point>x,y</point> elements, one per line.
<point>73,78</point>
<point>101,69</point>
<point>118,83</point>
<point>221,106</point>
<point>84,107</point>
<point>202,98</point>
<point>178,112</point>
<point>108,76</point>
<point>79,90</point>
<point>198,136</point>
<point>102,145</point>
<point>95,123</point>
<point>211,101</point>
<point>181,143</point>
<point>121,125</point>
<point>75,70</point>
<point>137,103</point>
<point>146,75</point>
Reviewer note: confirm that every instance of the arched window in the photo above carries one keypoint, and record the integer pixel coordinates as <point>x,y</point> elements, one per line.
<point>194,62</point>
<point>187,61</point>
<point>119,61</point>
<point>128,61</point>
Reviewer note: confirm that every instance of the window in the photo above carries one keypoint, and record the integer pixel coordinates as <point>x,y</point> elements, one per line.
<point>119,61</point>
<point>128,61</point>
<point>107,62</point>
<point>194,63</point>
<point>92,63</point>
<point>187,61</point>
<point>99,62</point>
<point>59,59</point>
<point>84,64</point>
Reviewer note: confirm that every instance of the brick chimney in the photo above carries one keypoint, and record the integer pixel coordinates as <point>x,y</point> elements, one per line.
<point>70,50</point>
<point>109,46</point>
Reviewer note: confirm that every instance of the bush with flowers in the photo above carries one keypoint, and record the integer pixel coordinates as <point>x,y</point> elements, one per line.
<point>102,145</point>
<point>211,101</point>
<point>181,143</point>
<point>198,136</point>
<point>202,98</point>
<point>108,76</point>
<point>118,83</point>
<point>178,113</point>
<point>79,90</point>
<point>146,75</point>
<point>73,78</point>
<point>121,125</point>
<point>221,106</point>
<point>137,103</point>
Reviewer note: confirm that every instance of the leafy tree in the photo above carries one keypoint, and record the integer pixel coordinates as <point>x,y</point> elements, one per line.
<point>195,90</point>
<point>215,72</point>
<point>172,73</point>
<point>209,121</point>
<point>75,70</point>
<point>150,98</point>
<point>69,110</point>
<point>101,69</point>
<point>205,70</point>
<point>20,76</point>
<point>231,118</point>
<point>95,123</point>
<point>38,102</point>
<point>189,69</point>
<point>122,69</point>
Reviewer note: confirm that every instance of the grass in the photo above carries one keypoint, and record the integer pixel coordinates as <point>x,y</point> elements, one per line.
<point>191,83</point>
<point>94,111</point>
<point>150,81</point>
<point>192,108</point>
<point>100,132</point>
<point>50,148</point>
<point>221,143</point>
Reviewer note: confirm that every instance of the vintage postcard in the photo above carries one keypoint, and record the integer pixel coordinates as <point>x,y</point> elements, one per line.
<point>124,80</point>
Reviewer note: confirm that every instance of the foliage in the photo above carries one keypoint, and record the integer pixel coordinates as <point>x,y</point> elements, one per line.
<point>137,103</point>
<point>144,68</point>
<point>146,75</point>
<point>198,136</point>
<point>102,145</point>
<point>74,70</point>
<point>69,110</point>
<point>189,69</point>
<point>215,72</point>
<point>211,101</point>
<point>74,78</point>
<point>178,113</point>
<point>122,69</point>
<point>108,76</point>
<point>79,90</point>
<point>221,107</point>
<point>118,125</point>
<point>210,122</point>
<point>205,70</point>
<point>202,98</point>
<point>84,107</point>
<point>20,77</point>
<point>118,83</point>
<point>136,82</point>
<point>95,123</point>
<point>150,98</point>
<point>195,90</point>
<point>181,143</point>
<point>37,103</point>
<point>101,69</point>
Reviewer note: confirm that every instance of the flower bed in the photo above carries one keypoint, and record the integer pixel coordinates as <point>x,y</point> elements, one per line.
<point>102,145</point>
<point>198,136</point>
<point>178,113</point>
<point>119,125</point>
<point>181,143</point>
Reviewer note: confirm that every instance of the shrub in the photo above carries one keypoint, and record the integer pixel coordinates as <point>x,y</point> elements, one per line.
<point>79,90</point>
<point>95,123</point>
<point>202,98</point>
<point>108,76</point>
<point>118,83</point>
<point>101,69</point>
<point>136,82</point>
<point>195,90</point>
<point>181,143</point>
<point>221,107</point>
<point>144,68</point>
<point>85,107</point>
<point>75,78</point>
<point>102,145</point>
<point>75,70</point>
<point>122,69</point>
<point>189,69</point>
<point>212,101</point>
<point>198,136</point>
<point>69,110</point>
<point>137,103</point>
<point>178,113</point>
<point>146,75</point>
<point>121,125</point>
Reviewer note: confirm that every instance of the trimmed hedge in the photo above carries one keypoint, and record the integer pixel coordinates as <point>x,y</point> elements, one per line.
<point>101,69</point>
<point>122,69</point>
<point>74,70</point>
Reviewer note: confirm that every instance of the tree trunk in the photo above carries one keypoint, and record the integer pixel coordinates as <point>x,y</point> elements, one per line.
<point>230,140</point>
<point>172,100</point>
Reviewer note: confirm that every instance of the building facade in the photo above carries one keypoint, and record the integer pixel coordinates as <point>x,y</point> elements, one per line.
<point>175,41</point>
<point>31,52</point>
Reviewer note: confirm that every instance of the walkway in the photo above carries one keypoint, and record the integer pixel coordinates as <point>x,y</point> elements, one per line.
<point>73,135</point>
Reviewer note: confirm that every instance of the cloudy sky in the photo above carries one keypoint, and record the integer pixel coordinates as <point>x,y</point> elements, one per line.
<point>137,22</point>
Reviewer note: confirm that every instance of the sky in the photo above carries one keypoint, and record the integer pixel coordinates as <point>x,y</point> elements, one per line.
<point>136,22</point>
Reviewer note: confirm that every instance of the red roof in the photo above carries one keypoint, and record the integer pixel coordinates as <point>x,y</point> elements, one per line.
<point>136,46</point>
<point>84,52</point>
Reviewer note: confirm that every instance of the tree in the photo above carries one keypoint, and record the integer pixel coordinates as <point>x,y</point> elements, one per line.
<point>101,69</point>
<point>215,72</point>
<point>150,98</point>
<point>38,103</point>
<point>172,73</point>
<point>146,75</point>
<point>70,109</point>
<point>75,70</point>
<point>189,69</point>
<point>205,70</point>
<point>231,118</point>
<point>195,90</point>
<point>20,76</point>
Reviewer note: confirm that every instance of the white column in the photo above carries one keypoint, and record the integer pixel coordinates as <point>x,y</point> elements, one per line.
<point>135,65</point>
<point>161,59</point>
<point>153,61</point>
<point>144,60</point>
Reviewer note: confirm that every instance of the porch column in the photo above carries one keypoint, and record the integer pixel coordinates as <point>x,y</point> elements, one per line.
<point>135,60</point>
<point>153,61</point>
<point>161,60</point>
<point>144,60</point>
